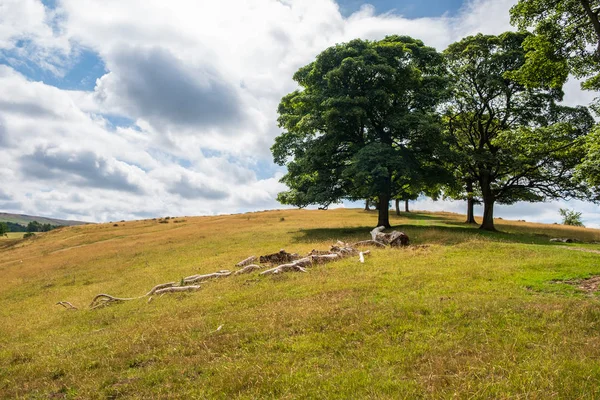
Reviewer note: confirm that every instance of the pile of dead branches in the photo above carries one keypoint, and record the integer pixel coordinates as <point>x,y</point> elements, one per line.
<point>279,262</point>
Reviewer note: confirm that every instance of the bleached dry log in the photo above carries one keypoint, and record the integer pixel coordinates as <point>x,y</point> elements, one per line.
<point>394,238</point>
<point>375,231</point>
<point>343,251</point>
<point>177,289</point>
<point>102,300</point>
<point>66,305</point>
<point>303,263</point>
<point>201,278</point>
<point>280,257</point>
<point>369,243</point>
<point>298,265</point>
<point>245,262</point>
<point>284,268</point>
<point>247,269</point>
<point>399,239</point>
<point>158,287</point>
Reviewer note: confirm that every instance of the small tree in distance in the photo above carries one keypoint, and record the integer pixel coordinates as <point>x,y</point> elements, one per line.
<point>4,229</point>
<point>570,217</point>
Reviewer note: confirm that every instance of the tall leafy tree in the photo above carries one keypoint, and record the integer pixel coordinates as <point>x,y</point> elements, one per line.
<point>567,40</point>
<point>516,142</point>
<point>362,123</point>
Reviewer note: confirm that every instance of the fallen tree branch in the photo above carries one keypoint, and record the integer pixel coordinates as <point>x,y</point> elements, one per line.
<point>343,251</point>
<point>284,268</point>
<point>247,269</point>
<point>200,278</point>
<point>102,300</point>
<point>369,243</point>
<point>245,262</point>
<point>177,289</point>
<point>158,287</point>
<point>66,305</point>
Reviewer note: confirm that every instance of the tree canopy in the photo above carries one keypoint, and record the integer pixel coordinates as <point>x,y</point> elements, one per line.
<point>589,169</point>
<point>516,142</point>
<point>363,123</point>
<point>567,39</point>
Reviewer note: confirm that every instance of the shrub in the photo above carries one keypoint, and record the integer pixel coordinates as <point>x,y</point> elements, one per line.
<point>570,217</point>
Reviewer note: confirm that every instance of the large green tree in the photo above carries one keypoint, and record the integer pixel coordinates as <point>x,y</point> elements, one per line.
<point>516,142</point>
<point>567,39</point>
<point>362,123</point>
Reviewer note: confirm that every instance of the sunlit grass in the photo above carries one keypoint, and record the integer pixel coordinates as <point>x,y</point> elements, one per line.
<point>474,314</point>
<point>13,235</point>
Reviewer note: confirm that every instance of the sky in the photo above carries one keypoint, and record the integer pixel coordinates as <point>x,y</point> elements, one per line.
<point>130,109</point>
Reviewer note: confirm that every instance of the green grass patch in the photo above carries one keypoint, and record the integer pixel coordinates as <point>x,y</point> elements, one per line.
<point>470,315</point>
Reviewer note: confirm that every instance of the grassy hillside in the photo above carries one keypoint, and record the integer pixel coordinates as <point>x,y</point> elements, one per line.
<point>470,315</point>
<point>23,219</point>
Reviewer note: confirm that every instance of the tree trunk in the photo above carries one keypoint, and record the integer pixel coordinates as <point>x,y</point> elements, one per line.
<point>470,204</point>
<point>384,211</point>
<point>406,205</point>
<point>367,205</point>
<point>397,206</point>
<point>488,215</point>
<point>488,204</point>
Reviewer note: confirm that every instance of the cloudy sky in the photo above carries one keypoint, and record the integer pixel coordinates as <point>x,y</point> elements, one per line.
<point>128,109</point>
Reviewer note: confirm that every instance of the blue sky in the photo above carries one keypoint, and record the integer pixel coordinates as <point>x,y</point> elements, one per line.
<point>409,9</point>
<point>106,115</point>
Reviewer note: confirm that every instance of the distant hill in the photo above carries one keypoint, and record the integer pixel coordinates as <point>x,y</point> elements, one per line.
<point>22,219</point>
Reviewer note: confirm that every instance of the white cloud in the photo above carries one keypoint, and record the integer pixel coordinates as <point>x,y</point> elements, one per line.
<point>29,34</point>
<point>201,82</point>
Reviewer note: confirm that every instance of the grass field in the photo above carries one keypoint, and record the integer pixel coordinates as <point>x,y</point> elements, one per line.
<point>471,315</point>
<point>12,236</point>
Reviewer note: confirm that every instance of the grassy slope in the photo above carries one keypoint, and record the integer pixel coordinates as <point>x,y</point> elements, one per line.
<point>473,315</point>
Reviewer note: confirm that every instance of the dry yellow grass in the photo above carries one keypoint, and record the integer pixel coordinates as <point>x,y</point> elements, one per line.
<point>475,314</point>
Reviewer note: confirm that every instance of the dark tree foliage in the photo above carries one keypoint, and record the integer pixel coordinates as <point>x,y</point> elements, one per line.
<point>516,142</point>
<point>35,226</point>
<point>363,123</point>
<point>4,229</point>
<point>13,227</point>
